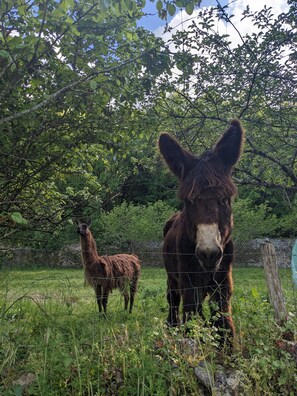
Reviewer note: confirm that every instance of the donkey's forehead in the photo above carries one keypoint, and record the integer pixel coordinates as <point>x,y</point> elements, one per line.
<point>207,179</point>
<point>212,193</point>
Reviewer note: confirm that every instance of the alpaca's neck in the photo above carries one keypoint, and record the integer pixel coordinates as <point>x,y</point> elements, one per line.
<point>88,249</point>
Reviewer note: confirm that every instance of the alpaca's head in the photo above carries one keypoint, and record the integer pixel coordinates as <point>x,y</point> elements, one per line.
<point>82,228</point>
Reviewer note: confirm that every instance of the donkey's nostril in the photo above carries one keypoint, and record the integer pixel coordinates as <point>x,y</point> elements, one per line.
<point>215,256</point>
<point>209,257</point>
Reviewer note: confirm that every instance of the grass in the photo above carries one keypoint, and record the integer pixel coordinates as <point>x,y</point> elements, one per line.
<point>53,342</point>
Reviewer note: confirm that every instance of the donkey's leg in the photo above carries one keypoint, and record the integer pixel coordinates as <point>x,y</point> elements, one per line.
<point>173,298</point>
<point>192,301</point>
<point>221,293</point>
<point>98,291</point>
<point>222,296</point>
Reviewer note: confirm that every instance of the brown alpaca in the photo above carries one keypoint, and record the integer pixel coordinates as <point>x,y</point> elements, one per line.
<point>105,273</point>
<point>198,249</point>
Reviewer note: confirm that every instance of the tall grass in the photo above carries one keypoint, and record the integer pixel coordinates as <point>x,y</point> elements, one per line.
<point>53,339</point>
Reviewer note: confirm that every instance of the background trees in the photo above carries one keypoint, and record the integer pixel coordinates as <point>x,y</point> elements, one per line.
<point>252,77</point>
<point>254,80</point>
<point>84,93</point>
<point>74,79</point>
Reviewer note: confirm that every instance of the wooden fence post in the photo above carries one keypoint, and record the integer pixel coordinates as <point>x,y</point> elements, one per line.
<point>276,296</point>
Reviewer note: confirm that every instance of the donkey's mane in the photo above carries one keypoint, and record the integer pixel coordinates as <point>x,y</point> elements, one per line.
<point>208,175</point>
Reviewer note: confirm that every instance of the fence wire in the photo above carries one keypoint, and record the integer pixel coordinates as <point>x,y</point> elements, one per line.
<point>37,287</point>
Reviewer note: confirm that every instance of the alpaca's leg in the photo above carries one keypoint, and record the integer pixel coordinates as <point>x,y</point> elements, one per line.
<point>105,299</point>
<point>125,293</point>
<point>133,288</point>
<point>98,291</point>
<point>126,299</point>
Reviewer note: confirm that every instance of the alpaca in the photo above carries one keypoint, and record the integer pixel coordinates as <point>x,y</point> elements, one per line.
<point>105,273</point>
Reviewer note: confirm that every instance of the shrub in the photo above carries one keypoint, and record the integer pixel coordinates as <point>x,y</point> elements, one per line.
<point>127,223</point>
<point>253,221</point>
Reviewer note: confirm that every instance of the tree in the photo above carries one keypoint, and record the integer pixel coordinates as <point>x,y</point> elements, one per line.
<point>254,80</point>
<point>73,79</point>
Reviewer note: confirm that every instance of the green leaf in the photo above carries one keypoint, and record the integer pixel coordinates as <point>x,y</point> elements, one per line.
<point>190,8</point>
<point>171,9</point>
<point>254,292</point>
<point>4,54</point>
<point>93,84</point>
<point>18,218</point>
<point>179,3</point>
<point>129,36</point>
<point>159,5</point>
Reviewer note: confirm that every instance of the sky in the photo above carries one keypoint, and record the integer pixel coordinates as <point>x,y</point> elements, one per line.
<point>153,22</point>
<point>181,19</point>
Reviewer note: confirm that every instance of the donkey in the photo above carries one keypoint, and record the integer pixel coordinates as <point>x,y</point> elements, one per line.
<point>105,273</point>
<point>198,249</point>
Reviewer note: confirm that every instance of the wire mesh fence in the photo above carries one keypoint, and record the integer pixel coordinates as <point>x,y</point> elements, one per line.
<point>248,274</point>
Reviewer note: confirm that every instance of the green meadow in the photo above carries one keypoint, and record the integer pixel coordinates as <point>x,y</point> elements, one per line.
<point>53,341</point>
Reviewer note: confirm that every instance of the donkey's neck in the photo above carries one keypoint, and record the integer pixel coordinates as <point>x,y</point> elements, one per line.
<point>88,249</point>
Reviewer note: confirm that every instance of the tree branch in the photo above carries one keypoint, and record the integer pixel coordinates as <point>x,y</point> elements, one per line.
<point>65,89</point>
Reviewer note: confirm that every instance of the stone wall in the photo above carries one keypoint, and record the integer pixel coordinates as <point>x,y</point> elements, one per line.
<point>247,254</point>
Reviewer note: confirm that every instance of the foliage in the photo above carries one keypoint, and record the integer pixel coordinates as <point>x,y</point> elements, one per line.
<point>129,224</point>
<point>169,7</point>
<point>50,329</point>
<point>84,94</point>
<point>74,77</point>
<point>253,221</point>
<point>251,77</point>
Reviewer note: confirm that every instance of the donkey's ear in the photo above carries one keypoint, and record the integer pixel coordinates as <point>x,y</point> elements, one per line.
<point>178,159</point>
<point>229,147</point>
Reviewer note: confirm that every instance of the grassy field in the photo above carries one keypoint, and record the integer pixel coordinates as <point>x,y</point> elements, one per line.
<point>53,342</point>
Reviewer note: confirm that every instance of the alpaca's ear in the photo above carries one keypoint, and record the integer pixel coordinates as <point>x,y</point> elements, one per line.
<point>89,221</point>
<point>76,221</point>
<point>229,147</point>
<point>178,159</point>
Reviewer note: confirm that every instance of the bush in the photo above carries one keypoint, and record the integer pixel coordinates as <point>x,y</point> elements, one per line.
<point>253,221</point>
<point>127,223</point>
<point>288,221</point>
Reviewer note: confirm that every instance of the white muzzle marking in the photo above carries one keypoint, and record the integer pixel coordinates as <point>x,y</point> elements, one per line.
<point>208,240</point>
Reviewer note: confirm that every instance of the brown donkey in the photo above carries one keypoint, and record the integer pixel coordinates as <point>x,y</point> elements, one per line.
<point>198,250</point>
<point>105,273</point>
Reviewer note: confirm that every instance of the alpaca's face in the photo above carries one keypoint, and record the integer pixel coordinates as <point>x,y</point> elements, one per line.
<point>82,229</point>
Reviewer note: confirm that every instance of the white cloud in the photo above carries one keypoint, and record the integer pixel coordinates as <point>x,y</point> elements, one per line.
<point>182,20</point>
<point>246,26</point>
<point>256,5</point>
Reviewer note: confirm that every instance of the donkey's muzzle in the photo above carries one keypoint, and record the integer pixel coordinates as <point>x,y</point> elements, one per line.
<point>209,258</point>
